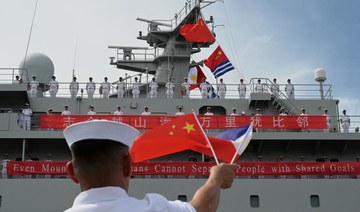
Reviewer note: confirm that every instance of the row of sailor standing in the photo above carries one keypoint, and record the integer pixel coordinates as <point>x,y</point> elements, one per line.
<point>205,88</point>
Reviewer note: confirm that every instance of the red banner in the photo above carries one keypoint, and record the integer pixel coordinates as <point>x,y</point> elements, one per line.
<point>207,122</point>
<point>201,168</point>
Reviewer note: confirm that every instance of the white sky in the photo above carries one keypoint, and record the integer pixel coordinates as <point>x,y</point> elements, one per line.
<point>277,38</point>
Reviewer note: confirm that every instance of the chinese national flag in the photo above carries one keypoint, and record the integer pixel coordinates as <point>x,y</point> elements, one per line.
<point>182,133</point>
<point>197,33</point>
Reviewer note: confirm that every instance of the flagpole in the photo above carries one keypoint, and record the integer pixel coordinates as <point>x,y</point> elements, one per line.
<point>207,139</point>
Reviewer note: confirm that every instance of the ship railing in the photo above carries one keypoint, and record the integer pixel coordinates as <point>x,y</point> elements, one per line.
<point>302,91</point>
<point>8,75</point>
<point>131,53</point>
<point>181,15</point>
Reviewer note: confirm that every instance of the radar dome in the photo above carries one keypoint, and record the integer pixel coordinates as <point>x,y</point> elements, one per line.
<point>37,64</point>
<point>320,75</point>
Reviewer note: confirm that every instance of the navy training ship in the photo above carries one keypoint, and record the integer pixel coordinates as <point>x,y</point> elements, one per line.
<point>169,56</point>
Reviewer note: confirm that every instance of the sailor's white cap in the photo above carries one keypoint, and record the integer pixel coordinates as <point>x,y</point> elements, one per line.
<point>101,129</point>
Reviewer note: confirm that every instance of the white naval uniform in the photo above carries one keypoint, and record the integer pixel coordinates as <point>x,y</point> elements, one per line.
<point>345,123</point>
<point>180,113</point>
<point>118,113</point>
<point>170,90</point>
<point>328,123</point>
<point>222,90</point>
<point>74,88</point>
<point>187,89</point>
<point>275,89</point>
<point>34,88</point>
<point>153,89</point>
<point>26,115</point>
<point>90,89</point>
<point>146,113</point>
<point>115,199</point>
<point>234,114</point>
<point>91,113</point>
<point>121,89</point>
<point>54,85</point>
<point>208,114</point>
<point>204,90</point>
<point>259,88</point>
<point>135,90</point>
<point>242,91</point>
<point>289,89</point>
<point>105,86</point>
<point>304,129</point>
<point>66,113</point>
<point>3,168</point>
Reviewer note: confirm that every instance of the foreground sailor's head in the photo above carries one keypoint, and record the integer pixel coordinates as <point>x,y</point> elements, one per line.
<point>100,155</point>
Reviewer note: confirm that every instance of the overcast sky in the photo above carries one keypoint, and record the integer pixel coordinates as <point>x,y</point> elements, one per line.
<point>263,38</point>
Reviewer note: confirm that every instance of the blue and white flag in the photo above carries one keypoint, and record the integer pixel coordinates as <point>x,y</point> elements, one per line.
<point>240,137</point>
<point>211,91</point>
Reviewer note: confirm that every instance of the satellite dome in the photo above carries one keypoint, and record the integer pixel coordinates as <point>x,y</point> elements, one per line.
<point>320,75</point>
<point>39,65</point>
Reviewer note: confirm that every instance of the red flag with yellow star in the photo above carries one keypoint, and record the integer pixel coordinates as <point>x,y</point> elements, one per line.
<point>197,33</point>
<point>182,133</point>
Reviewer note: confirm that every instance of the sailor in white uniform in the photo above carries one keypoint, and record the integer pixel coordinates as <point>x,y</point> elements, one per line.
<point>180,112</point>
<point>90,88</point>
<point>135,88</point>
<point>106,190</point>
<point>118,112</point>
<point>153,89</point>
<point>275,88</point>
<point>259,88</point>
<point>34,84</point>
<point>234,112</point>
<point>345,122</point>
<point>185,88</point>
<point>4,166</point>
<point>121,88</point>
<point>170,89</point>
<point>303,113</point>
<point>146,111</point>
<point>53,86</point>
<point>91,111</point>
<point>204,87</point>
<point>66,112</point>
<point>328,121</point>
<point>208,112</point>
<point>74,87</point>
<point>222,89</point>
<point>242,89</point>
<point>26,116</point>
<point>105,88</point>
<point>289,89</point>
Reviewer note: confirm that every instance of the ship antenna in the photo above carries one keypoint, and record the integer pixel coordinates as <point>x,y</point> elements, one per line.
<point>32,24</point>
<point>76,45</point>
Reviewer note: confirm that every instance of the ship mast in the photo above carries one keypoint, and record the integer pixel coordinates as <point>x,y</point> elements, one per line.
<point>169,53</point>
